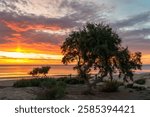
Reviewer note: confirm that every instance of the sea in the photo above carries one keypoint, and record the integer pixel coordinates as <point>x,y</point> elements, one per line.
<point>22,71</point>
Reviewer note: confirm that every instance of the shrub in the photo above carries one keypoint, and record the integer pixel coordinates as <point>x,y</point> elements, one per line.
<point>140,81</point>
<point>31,82</point>
<point>22,83</point>
<point>48,83</point>
<point>110,86</point>
<point>71,80</point>
<point>52,90</point>
<point>28,83</point>
<point>139,87</point>
<point>129,85</point>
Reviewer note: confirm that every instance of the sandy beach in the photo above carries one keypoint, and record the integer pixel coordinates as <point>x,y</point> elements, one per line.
<point>7,83</point>
<point>75,92</point>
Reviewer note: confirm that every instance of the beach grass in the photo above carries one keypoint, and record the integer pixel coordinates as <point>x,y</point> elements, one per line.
<point>36,82</point>
<point>111,86</point>
<point>52,88</point>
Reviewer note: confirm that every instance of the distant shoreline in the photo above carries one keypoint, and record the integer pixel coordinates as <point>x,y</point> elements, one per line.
<point>30,77</point>
<point>58,76</point>
<point>40,64</point>
<point>37,65</point>
<point>55,75</point>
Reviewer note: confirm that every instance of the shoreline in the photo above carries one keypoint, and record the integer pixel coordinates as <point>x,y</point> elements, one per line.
<point>8,81</point>
<point>57,76</point>
<point>28,77</point>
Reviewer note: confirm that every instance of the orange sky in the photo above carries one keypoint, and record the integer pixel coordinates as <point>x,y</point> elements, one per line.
<point>31,32</point>
<point>20,51</point>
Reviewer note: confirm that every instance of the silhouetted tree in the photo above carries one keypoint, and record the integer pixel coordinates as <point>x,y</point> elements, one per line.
<point>34,72</point>
<point>127,62</point>
<point>44,70</point>
<point>40,70</point>
<point>98,46</point>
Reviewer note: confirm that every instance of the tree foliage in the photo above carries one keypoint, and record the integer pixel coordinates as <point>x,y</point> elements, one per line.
<point>40,70</point>
<point>98,46</point>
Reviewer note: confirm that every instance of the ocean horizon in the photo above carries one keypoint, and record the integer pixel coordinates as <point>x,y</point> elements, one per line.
<point>14,71</point>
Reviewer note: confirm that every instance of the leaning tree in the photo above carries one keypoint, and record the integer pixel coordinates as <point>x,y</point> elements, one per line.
<point>98,46</point>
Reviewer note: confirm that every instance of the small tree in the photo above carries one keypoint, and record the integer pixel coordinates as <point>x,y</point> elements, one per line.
<point>44,70</point>
<point>34,72</point>
<point>40,70</point>
<point>98,46</point>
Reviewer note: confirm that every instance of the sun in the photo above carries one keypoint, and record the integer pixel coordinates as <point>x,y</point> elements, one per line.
<point>18,49</point>
<point>19,56</point>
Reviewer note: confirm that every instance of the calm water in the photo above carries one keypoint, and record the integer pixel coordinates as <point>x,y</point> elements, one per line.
<point>23,70</point>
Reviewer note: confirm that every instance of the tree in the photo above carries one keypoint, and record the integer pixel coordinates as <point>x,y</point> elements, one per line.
<point>34,72</point>
<point>98,46</point>
<point>44,70</point>
<point>40,70</point>
<point>127,62</point>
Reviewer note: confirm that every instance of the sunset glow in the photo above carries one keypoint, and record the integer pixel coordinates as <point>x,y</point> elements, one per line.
<point>21,57</point>
<point>31,32</point>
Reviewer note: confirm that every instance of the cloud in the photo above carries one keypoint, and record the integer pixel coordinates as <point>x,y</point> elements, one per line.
<point>12,5</point>
<point>139,33</point>
<point>42,37</point>
<point>134,31</point>
<point>25,26</point>
<point>135,39</point>
<point>133,20</point>
<point>43,25</point>
<point>85,11</point>
<point>4,33</point>
<point>22,23</point>
<point>74,12</point>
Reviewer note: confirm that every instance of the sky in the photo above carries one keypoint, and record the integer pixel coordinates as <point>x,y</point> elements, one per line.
<point>32,31</point>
